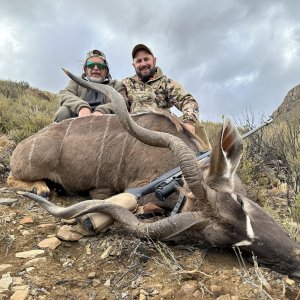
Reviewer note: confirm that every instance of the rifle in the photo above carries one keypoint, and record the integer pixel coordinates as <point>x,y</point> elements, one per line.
<point>167,183</point>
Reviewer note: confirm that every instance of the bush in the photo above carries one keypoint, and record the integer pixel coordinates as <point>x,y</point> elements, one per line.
<point>23,110</point>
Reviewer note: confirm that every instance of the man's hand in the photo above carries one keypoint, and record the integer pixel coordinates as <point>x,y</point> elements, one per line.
<point>97,113</point>
<point>85,111</point>
<point>190,127</point>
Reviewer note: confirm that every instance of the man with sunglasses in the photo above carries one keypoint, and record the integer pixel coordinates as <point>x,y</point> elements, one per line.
<point>150,88</point>
<point>77,101</point>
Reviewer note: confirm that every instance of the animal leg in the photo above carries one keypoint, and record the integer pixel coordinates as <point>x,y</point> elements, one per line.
<point>38,187</point>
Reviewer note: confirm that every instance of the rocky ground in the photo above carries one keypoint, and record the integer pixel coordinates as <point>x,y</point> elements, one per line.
<point>46,258</point>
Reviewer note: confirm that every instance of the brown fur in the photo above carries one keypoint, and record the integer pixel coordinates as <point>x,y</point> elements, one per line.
<point>94,154</point>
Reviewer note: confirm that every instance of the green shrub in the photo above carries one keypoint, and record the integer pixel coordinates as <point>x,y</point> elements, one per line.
<point>295,210</point>
<point>24,110</point>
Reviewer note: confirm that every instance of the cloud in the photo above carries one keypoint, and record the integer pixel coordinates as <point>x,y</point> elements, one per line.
<point>231,55</point>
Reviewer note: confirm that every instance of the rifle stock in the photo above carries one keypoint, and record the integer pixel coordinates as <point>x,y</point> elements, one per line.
<point>166,184</point>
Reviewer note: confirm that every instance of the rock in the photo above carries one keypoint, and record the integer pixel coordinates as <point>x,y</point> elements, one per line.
<point>46,225</point>
<point>21,294</point>
<point>25,232</point>
<point>35,262</point>
<point>18,281</point>
<point>106,252</point>
<point>88,249</point>
<point>92,275</point>
<point>167,293</point>
<point>144,292</point>
<point>30,254</point>
<point>290,282</point>
<point>216,290</point>
<point>67,233</point>
<point>5,268</point>
<point>107,282</point>
<point>197,294</point>
<point>189,288</point>
<point>30,269</point>
<point>95,282</point>
<point>27,220</point>
<point>51,243</point>
<point>86,240</point>
<point>5,282</point>
<point>8,201</point>
<point>224,297</point>
<point>142,297</point>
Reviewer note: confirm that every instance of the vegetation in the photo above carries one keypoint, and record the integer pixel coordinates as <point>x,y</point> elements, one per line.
<point>24,110</point>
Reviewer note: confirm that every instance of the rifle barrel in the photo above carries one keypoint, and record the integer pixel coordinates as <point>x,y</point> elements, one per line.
<point>176,173</point>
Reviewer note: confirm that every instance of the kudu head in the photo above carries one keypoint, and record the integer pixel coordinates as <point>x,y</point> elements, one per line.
<point>220,212</point>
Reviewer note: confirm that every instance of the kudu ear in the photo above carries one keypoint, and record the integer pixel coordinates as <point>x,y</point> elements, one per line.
<point>225,158</point>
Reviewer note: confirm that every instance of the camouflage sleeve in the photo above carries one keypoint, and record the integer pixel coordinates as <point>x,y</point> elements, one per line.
<point>183,101</point>
<point>69,97</point>
<point>108,108</point>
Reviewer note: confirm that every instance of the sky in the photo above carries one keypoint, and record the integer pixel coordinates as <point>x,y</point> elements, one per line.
<point>236,57</point>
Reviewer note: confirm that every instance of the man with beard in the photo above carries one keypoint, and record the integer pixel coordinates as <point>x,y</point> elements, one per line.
<point>150,89</point>
<point>77,101</point>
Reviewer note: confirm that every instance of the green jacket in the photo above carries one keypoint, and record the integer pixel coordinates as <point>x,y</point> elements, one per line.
<point>74,94</point>
<point>162,92</point>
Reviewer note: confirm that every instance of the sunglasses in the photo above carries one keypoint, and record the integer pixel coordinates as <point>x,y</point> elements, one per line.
<point>92,65</point>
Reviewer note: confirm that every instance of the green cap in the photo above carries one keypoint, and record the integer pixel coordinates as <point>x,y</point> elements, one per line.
<point>139,47</point>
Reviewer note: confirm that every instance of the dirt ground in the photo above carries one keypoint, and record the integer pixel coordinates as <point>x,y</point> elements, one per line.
<point>116,265</point>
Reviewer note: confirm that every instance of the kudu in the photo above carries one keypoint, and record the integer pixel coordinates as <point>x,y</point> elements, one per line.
<point>218,210</point>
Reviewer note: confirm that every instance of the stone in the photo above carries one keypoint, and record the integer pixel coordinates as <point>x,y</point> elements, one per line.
<point>92,275</point>
<point>216,290</point>
<point>5,268</point>
<point>35,262</point>
<point>5,282</point>
<point>290,282</point>
<point>224,297</point>
<point>67,233</point>
<point>46,225</point>
<point>96,282</point>
<point>18,281</point>
<point>30,269</point>
<point>107,282</point>
<point>27,220</point>
<point>106,252</point>
<point>51,243</point>
<point>30,254</point>
<point>21,294</point>
<point>142,297</point>
<point>189,288</point>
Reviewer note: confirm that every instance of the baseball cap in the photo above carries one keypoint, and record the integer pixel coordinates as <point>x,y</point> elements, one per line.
<point>98,53</point>
<point>140,47</point>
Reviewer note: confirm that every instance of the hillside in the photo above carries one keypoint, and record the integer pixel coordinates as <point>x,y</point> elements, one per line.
<point>24,110</point>
<point>289,109</point>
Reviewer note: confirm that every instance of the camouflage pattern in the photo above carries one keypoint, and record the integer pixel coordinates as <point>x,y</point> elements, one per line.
<point>162,92</point>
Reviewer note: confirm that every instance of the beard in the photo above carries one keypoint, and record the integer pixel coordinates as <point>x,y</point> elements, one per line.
<point>96,79</point>
<point>146,77</point>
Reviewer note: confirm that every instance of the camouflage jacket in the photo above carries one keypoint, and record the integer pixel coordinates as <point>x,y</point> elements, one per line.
<point>74,95</point>
<point>162,92</point>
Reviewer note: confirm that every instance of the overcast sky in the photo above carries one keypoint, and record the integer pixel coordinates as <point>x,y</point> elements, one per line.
<point>234,56</point>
